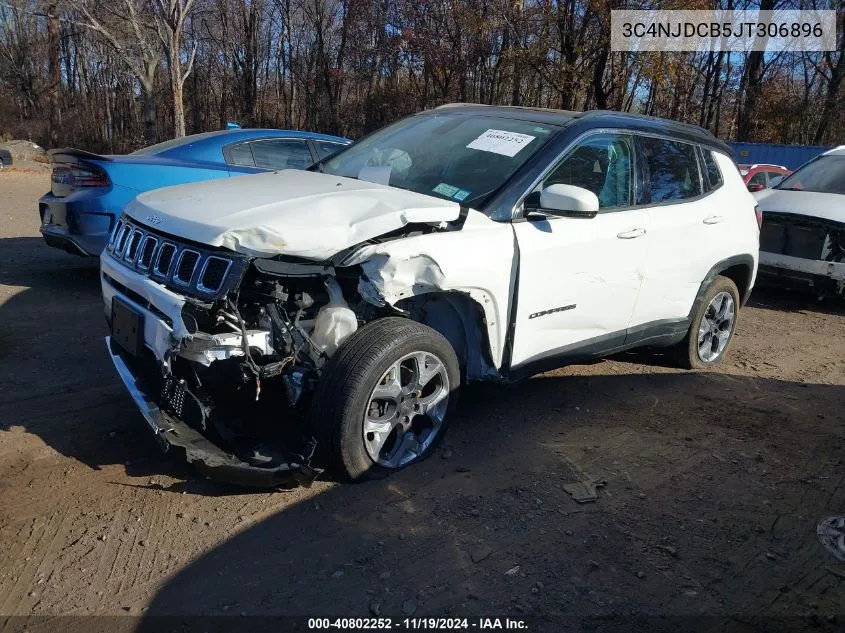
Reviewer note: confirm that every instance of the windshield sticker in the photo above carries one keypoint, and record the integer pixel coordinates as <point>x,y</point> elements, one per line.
<point>380,174</point>
<point>446,190</point>
<point>501,142</point>
<point>461,195</point>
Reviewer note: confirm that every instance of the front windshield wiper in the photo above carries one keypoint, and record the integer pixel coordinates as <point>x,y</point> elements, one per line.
<point>790,189</point>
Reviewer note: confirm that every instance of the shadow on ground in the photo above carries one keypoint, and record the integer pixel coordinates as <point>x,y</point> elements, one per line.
<point>705,511</point>
<point>55,378</point>
<point>784,301</point>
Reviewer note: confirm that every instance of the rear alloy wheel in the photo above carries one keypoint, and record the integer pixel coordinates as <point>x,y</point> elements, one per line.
<point>716,327</point>
<point>384,398</point>
<point>712,326</point>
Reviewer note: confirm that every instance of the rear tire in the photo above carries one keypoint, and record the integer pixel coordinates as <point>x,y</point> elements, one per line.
<point>712,327</point>
<point>385,398</point>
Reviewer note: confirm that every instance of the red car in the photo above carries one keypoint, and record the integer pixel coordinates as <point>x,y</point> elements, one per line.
<point>762,176</point>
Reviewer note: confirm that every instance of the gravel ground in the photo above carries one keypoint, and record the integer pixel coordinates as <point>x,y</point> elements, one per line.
<point>714,484</point>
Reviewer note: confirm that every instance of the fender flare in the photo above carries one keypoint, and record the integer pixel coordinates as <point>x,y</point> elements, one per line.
<point>745,260</point>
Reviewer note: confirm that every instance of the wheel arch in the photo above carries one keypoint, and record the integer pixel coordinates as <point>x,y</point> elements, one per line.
<point>739,269</point>
<point>741,272</point>
<point>461,320</point>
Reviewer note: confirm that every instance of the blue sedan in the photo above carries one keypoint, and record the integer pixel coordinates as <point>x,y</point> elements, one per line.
<point>89,191</point>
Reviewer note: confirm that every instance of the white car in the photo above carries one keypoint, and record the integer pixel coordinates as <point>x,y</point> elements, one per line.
<point>342,308</point>
<point>802,243</point>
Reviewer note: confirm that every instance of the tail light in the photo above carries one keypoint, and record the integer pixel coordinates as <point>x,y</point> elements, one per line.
<point>759,215</point>
<point>80,175</point>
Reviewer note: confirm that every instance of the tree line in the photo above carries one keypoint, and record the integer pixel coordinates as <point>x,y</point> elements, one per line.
<point>114,75</point>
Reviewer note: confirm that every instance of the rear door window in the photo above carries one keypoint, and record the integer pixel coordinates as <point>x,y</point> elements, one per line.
<point>671,169</point>
<point>281,154</point>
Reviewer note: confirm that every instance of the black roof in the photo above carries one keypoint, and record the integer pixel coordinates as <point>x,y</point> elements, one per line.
<point>598,119</point>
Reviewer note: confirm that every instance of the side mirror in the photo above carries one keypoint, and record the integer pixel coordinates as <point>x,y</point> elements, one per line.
<point>563,200</point>
<point>755,187</point>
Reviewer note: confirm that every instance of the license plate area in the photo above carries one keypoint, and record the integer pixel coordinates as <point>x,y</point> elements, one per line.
<point>127,326</point>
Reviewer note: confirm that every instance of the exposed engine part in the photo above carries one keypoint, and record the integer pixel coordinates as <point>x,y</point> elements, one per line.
<point>206,348</point>
<point>335,321</point>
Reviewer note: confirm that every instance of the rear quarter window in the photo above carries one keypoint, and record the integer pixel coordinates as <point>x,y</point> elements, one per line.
<point>671,170</point>
<point>711,167</point>
<point>239,154</point>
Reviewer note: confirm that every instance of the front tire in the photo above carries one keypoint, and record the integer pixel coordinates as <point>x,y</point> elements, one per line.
<point>712,327</point>
<point>385,398</point>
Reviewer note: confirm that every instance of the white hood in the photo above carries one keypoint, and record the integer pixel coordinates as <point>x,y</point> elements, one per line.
<point>826,206</point>
<point>298,213</point>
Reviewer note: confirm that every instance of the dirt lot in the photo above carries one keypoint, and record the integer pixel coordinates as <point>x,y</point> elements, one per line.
<point>714,484</point>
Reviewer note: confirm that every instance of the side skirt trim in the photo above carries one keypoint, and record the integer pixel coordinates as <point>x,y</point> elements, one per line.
<point>657,334</point>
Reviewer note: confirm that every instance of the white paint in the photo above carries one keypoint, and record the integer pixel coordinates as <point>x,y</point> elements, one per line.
<point>569,198</point>
<point>501,142</point>
<point>478,261</point>
<point>839,150</point>
<point>159,337</point>
<point>686,240</point>
<point>297,213</point>
<point>812,204</point>
<point>576,262</point>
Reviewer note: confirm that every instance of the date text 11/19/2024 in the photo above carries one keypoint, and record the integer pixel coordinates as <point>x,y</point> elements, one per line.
<point>417,624</point>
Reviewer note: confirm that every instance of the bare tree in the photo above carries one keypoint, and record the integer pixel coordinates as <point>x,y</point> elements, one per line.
<point>170,18</point>
<point>86,72</point>
<point>127,30</point>
<point>834,73</point>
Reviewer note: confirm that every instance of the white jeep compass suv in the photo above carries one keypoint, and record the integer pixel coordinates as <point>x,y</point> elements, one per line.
<point>277,323</point>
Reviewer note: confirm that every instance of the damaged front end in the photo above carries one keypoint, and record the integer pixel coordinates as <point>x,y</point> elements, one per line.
<point>223,351</point>
<point>224,365</point>
<point>804,253</point>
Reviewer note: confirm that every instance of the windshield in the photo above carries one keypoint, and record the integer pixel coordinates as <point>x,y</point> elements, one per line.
<point>826,174</point>
<point>172,143</point>
<point>459,157</point>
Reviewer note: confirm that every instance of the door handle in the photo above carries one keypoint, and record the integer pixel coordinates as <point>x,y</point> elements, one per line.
<point>713,219</point>
<point>629,235</point>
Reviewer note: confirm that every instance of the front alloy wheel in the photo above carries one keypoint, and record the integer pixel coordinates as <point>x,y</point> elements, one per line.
<point>384,399</point>
<point>406,410</point>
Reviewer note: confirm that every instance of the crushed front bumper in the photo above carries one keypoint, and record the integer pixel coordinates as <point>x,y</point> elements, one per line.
<point>825,279</point>
<point>204,455</point>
